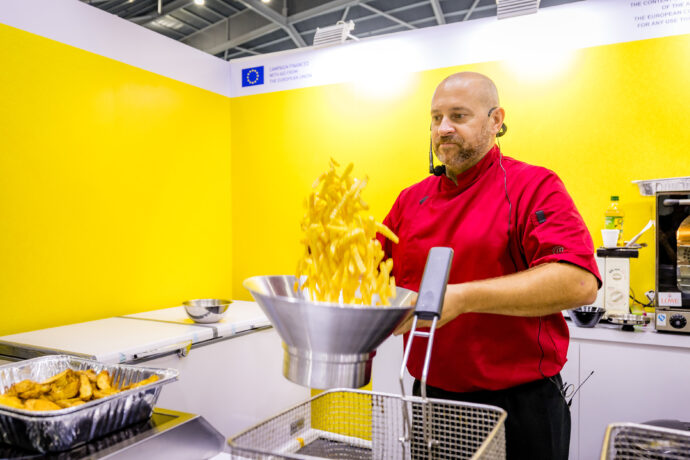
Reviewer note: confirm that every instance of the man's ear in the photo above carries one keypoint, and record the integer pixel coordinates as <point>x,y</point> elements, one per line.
<point>497,116</point>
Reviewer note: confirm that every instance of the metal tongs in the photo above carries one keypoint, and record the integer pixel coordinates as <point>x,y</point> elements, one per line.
<point>636,237</point>
<point>428,307</point>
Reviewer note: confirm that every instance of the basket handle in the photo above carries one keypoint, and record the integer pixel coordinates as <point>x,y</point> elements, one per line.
<point>429,305</point>
<point>434,280</point>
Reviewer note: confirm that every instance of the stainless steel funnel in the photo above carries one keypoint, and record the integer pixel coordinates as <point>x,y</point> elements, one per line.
<point>326,345</point>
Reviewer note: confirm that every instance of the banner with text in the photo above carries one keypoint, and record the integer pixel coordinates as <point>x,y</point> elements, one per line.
<point>566,27</point>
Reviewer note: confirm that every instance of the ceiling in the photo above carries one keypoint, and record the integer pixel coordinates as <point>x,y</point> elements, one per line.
<point>232,29</point>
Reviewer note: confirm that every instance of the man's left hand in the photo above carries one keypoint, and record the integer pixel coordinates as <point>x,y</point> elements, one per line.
<point>448,313</point>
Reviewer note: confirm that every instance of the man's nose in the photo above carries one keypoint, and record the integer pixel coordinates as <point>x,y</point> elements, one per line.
<point>445,127</point>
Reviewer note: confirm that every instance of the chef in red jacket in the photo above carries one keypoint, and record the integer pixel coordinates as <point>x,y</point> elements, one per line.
<point>522,254</point>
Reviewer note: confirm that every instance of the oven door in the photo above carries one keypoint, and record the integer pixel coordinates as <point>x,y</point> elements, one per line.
<point>673,261</point>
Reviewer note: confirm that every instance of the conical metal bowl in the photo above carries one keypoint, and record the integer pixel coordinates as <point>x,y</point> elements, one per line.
<point>326,345</point>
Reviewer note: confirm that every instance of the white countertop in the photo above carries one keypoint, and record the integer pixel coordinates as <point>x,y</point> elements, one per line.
<point>241,316</point>
<point>131,337</point>
<point>647,335</point>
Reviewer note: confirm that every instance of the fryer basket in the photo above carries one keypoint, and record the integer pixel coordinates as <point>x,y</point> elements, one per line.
<point>632,441</point>
<point>356,424</point>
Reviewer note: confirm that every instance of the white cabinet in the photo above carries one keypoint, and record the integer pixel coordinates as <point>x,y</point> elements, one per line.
<point>234,383</point>
<point>631,383</point>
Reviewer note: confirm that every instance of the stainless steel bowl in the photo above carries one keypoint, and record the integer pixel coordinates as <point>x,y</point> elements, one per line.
<point>206,310</point>
<point>587,316</point>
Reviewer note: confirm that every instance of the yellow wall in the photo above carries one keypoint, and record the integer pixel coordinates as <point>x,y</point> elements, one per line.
<point>600,117</point>
<point>114,187</point>
<point>117,193</point>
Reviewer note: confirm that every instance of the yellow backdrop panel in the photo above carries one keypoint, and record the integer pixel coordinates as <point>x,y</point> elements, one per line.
<point>115,189</point>
<point>600,117</point>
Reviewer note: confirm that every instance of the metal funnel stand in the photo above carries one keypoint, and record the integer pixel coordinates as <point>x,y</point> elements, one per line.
<point>326,345</point>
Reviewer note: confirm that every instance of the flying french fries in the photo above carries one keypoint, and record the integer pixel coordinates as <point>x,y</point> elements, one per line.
<point>69,388</point>
<point>342,259</point>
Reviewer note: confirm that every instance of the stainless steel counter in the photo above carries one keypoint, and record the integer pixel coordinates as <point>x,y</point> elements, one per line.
<point>168,434</point>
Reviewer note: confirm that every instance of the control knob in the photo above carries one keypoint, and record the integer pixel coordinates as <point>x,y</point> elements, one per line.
<point>678,321</point>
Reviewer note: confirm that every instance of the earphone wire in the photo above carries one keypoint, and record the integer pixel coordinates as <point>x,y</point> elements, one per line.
<point>510,203</point>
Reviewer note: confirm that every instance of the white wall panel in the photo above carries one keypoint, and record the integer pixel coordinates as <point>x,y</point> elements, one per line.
<point>550,31</point>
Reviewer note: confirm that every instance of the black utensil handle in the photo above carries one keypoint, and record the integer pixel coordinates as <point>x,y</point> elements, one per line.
<point>434,281</point>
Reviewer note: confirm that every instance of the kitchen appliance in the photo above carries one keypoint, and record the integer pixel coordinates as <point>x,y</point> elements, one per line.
<point>673,261</point>
<point>614,267</point>
<point>629,321</point>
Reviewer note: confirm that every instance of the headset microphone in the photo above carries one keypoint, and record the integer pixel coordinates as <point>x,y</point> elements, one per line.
<point>502,131</point>
<point>438,170</point>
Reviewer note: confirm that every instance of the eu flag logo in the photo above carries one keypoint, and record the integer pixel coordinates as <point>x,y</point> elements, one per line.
<point>253,76</point>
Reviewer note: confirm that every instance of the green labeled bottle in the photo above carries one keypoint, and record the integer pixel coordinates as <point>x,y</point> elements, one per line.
<point>614,218</point>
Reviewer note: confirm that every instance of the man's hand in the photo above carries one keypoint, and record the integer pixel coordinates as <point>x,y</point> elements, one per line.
<point>448,313</point>
<point>407,325</point>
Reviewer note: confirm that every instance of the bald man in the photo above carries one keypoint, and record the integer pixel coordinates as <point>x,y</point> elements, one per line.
<point>522,254</point>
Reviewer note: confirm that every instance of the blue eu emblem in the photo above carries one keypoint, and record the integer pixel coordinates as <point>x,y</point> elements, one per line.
<point>253,76</point>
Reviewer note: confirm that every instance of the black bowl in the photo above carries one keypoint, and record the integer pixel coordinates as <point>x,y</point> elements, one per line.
<point>587,316</point>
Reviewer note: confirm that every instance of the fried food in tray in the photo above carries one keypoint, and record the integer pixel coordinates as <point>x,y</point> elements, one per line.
<point>127,393</point>
<point>68,388</point>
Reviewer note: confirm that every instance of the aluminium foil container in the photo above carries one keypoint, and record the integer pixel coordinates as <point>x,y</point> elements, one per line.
<point>59,430</point>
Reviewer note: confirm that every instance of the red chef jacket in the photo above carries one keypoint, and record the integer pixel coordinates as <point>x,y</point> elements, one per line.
<point>478,351</point>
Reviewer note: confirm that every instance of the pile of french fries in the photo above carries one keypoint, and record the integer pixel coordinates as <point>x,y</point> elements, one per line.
<point>69,388</point>
<point>342,259</point>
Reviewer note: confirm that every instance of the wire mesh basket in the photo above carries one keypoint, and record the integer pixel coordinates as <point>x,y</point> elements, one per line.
<point>355,424</point>
<point>631,441</point>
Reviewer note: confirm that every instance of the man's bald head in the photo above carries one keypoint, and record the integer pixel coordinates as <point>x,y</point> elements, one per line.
<point>465,118</point>
<point>481,85</point>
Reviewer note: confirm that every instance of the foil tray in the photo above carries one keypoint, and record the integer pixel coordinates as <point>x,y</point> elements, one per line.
<point>669,184</point>
<point>59,430</point>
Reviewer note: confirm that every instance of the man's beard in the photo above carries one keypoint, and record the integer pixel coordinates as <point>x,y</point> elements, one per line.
<point>466,152</point>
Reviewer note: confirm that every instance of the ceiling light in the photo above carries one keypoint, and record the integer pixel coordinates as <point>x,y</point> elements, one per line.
<point>199,2</point>
<point>265,1</point>
<point>333,35</point>
<point>510,8</point>
<point>169,22</point>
